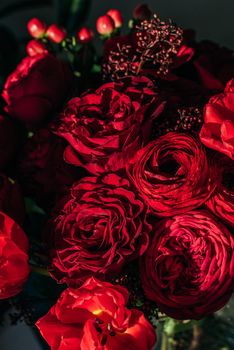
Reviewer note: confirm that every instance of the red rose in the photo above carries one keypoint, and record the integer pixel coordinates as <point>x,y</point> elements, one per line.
<point>14,268</point>
<point>218,129</point>
<point>105,128</point>
<point>44,174</point>
<point>101,226</point>
<point>36,88</point>
<point>221,202</point>
<point>188,269</point>
<point>172,174</point>
<point>11,199</point>
<point>95,317</point>
<point>9,140</point>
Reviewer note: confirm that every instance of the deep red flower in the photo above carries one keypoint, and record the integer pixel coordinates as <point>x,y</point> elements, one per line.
<point>188,268</point>
<point>14,268</point>
<point>11,199</point>
<point>36,88</point>
<point>218,129</point>
<point>100,226</point>
<point>95,317</point>
<point>221,202</point>
<point>172,174</point>
<point>43,173</point>
<point>105,128</point>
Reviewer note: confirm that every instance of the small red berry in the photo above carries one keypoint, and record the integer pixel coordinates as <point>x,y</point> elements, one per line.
<point>35,47</point>
<point>105,25</point>
<point>85,35</point>
<point>142,12</point>
<point>36,28</point>
<point>55,33</point>
<point>117,17</point>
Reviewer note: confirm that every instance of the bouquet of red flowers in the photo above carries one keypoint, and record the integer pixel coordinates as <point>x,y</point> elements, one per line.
<point>117,182</point>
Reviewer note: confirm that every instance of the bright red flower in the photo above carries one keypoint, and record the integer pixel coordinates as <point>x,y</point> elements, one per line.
<point>14,268</point>
<point>105,128</point>
<point>101,225</point>
<point>95,317</point>
<point>188,269</point>
<point>218,129</point>
<point>172,174</point>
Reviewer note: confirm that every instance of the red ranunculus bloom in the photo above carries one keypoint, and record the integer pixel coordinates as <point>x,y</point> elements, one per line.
<point>95,317</point>
<point>105,128</point>
<point>172,174</point>
<point>218,129</point>
<point>221,202</point>
<point>14,268</point>
<point>101,226</point>
<point>9,141</point>
<point>44,174</point>
<point>11,199</point>
<point>188,269</point>
<point>36,88</point>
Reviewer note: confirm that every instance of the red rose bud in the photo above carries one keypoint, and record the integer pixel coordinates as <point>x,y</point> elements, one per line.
<point>142,12</point>
<point>105,25</point>
<point>56,34</point>
<point>35,47</point>
<point>85,35</point>
<point>36,28</point>
<point>117,17</point>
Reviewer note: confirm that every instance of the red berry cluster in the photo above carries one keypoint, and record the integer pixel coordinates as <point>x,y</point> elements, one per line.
<point>107,24</point>
<point>54,33</point>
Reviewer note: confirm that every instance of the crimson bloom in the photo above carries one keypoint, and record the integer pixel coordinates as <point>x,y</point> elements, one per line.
<point>101,225</point>
<point>14,268</point>
<point>188,269</point>
<point>95,317</point>
<point>105,128</point>
<point>172,174</point>
<point>36,88</point>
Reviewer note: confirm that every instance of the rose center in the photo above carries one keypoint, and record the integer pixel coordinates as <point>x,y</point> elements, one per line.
<point>168,166</point>
<point>104,330</point>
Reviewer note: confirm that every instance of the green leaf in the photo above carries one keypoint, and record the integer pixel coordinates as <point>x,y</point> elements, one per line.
<point>71,14</point>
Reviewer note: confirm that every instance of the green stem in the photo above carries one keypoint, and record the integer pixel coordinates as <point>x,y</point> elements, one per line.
<point>164,344</point>
<point>40,270</point>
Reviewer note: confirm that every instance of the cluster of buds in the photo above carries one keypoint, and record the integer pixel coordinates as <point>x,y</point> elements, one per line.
<point>55,34</point>
<point>186,119</point>
<point>156,45</point>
